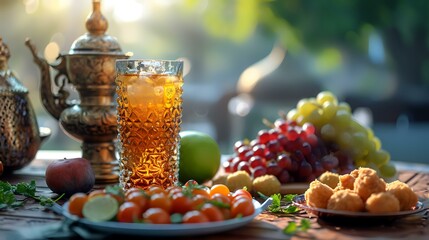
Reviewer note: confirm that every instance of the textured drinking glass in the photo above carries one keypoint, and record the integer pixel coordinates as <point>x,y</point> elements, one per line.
<point>149,97</point>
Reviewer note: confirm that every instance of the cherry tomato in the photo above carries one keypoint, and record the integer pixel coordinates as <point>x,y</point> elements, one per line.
<point>76,203</point>
<point>139,198</point>
<point>199,191</point>
<point>160,200</point>
<point>172,190</point>
<point>242,207</point>
<point>129,212</point>
<point>191,183</point>
<point>226,212</point>
<point>180,203</point>
<point>221,199</point>
<point>156,216</point>
<point>131,190</point>
<point>242,192</point>
<point>95,193</point>
<point>212,212</point>
<point>154,189</point>
<point>198,201</point>
<point>194,216</point>
<point>219,188</point>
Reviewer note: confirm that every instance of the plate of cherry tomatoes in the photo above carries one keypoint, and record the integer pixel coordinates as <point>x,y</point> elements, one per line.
<point>186,210</point>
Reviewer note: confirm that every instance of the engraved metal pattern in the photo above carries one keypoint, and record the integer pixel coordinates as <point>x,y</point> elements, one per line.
<point>90,68</point>
<point>19,132</point>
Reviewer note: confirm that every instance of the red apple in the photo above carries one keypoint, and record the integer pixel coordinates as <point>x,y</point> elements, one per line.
<point>70,176</point>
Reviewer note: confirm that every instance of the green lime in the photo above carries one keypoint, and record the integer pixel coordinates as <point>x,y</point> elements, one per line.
<point>199,157</point>
<point>99,209</point>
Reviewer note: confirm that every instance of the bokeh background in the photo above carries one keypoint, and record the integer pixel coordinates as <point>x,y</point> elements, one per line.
<point>249,59</point>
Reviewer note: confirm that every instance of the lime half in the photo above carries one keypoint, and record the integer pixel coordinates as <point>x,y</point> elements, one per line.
<point>99,209</point>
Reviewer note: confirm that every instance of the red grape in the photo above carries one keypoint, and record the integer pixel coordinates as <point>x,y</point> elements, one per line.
<point>259,150</point>
<point>259,171</point>
<point>273,168</point>
<point>284,177</point>
<point>281,124</point>
<point>263,136</point>
<point>305,169</point>
<point>284,161</point>
<point>244,166</point>
<point>256,161</point>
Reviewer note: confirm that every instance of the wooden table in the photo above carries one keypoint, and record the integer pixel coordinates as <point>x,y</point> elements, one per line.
<point>35,222</point>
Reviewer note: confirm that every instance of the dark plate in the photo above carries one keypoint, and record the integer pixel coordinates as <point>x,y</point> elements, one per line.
<point>300,202</point>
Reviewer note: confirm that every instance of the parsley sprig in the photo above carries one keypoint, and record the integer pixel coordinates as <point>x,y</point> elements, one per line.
<point>283,204</point>
<point>293,227</point>
<point>9,192</point>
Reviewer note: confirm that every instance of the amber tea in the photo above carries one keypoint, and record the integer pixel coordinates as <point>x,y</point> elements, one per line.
<point>149,97</point>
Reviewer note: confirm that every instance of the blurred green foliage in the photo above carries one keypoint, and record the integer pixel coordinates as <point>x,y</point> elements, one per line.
<point>325,25</point>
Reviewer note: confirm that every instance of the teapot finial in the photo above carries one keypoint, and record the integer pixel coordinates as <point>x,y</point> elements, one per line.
<point>4,55</point>
<point>96,23</point>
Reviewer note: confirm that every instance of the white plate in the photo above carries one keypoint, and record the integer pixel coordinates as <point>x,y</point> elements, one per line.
<point>299,201</point>
<point>165,230</point>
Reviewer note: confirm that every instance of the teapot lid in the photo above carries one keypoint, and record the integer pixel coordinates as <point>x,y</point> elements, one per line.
<point>96,41</point>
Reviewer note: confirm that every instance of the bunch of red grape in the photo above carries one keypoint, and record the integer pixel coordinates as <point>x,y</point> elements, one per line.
<point>291,152</point>
<point>319,135</point>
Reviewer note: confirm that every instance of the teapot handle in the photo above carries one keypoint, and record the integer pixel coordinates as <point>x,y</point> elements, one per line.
<point>54,103</point>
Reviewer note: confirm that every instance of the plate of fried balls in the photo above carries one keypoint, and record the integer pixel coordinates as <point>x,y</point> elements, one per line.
<point>357,195</point>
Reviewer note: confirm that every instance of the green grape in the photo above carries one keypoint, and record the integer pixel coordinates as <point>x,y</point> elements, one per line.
<point>326,96</point>
<point>370,133</point>
<point>292,114</point>
<point>356,127</point>
<point>344,140</point>
<point>328,132</point>
<point>306,107</point>
<point>360,162</point>
<point>377,143</point>
<point>379,157</point>
<point>314,118</point>
<point>341,120</point>
<point>329,109</point>
<point>344,106</point>
<point>388,170</point>
<point>360,145</point>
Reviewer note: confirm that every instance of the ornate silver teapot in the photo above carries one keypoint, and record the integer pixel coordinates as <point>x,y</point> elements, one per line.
<point>20,136</point>
<point>90,67</point>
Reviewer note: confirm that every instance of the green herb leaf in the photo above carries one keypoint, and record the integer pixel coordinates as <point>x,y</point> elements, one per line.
<point>176,218</point>
<point>115,190</point>
<point>26,189</point>
<point>8,192</point>
<point>305,224</point>
<point>290,229</point>
<point>275,206</point>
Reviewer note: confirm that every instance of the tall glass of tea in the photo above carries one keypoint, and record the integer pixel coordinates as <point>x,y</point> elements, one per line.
<point>149,105</point>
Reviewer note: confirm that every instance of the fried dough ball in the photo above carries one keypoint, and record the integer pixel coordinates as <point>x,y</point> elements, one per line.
<point>355,173</point>
<point>407,198</point>
<point>346,200</point>
<point>267,185</point>
<point>368,183</point>
<point>382,202</point>
<point>238,180</point>
<point>346,181</point>
<point>329,178</point>
<point>318,194</point>
<point>363,171</point>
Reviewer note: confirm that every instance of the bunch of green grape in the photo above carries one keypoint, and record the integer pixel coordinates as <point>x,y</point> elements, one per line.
<point>336,126</point>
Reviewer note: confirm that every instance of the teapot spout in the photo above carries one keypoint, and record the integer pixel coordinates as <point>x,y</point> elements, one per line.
<point>54,103</point>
